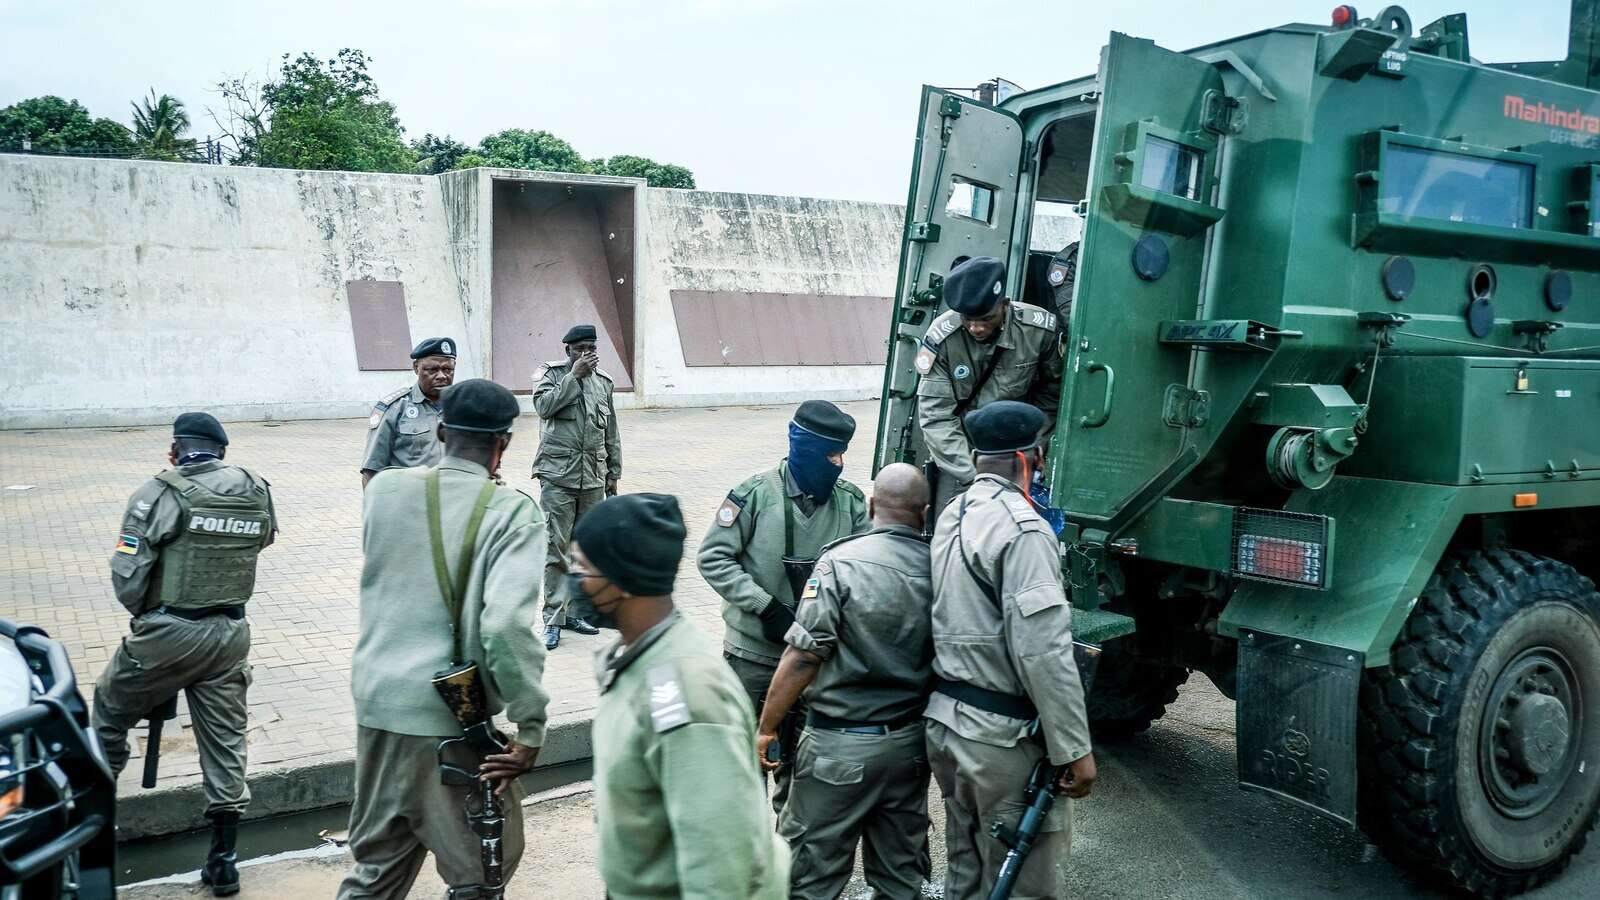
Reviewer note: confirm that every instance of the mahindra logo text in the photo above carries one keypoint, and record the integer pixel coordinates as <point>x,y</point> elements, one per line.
<point>1546,114</point>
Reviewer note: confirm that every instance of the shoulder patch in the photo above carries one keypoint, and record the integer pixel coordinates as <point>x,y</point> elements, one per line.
<point>924,360</point>
<point>729,511</point>
<point>539,373</point>
<point>668,708</point>
<point>810,591</point>
<point>1033,315</point>
<point>945,325</point>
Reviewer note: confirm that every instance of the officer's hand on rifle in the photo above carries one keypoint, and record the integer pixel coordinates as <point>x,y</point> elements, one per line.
<point>1078,778</point>
<point>766,743</point>
<point>517,760</point>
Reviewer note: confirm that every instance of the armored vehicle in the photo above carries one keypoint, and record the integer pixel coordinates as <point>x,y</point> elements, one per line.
<point>1329,424</point>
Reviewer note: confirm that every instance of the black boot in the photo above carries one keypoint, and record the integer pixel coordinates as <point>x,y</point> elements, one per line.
<point>220,873</point>
<point>581,625</point>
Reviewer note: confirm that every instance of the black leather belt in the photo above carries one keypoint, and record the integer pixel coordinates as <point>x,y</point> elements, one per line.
<point>816,719</point>
<point>1016,706</point>
<point>195,614</point>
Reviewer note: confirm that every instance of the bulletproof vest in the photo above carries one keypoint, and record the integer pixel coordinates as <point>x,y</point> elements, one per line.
<point>212,562</point>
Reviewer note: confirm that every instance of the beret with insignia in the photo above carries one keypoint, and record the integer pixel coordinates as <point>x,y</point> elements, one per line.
<point>439,346</point>
<point>478,404</point>
<point>578,333</point>
<point>825,420</point>
<point>974,287</point>
<point>199,425</point>
<point>1004,426</point>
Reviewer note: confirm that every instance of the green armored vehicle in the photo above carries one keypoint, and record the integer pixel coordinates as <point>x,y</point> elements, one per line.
<point>1329,428</point>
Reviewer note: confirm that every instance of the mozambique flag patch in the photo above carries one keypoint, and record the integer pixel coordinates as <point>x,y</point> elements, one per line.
<point>128,543</point>
<point>810,589</point>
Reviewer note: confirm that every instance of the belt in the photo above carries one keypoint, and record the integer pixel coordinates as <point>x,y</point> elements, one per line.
<point>816,719</point>
<point>1015,706</point>
<point>195,614</point>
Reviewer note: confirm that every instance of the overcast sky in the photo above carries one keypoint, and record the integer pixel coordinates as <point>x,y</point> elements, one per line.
<point>768,96</point>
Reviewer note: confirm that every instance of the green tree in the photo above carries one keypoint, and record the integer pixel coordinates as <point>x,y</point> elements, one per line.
<point>50,124</point>
<point>657,174</point>
<point>317,114</point>
<point>438,154</point>
<point>516,148</point>
<point>159,125</point>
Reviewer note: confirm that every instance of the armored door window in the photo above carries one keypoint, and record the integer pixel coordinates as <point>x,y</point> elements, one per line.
<point>1171,167</point>
<point>1456,187</point>
<point>970,200</point>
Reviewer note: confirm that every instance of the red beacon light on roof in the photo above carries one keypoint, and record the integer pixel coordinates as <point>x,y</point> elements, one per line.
<point>1344,16</point>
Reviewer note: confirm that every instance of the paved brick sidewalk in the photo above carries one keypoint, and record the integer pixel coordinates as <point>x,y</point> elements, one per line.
<point>56,539</point>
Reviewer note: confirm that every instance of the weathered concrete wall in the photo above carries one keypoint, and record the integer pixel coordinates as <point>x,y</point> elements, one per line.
<point>142,289</point>
<point>130,291</point>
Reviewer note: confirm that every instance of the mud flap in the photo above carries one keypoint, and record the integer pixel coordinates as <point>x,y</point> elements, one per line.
<point>1296,721</point>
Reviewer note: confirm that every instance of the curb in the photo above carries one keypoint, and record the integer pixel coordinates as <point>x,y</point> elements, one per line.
<point>295,789</point>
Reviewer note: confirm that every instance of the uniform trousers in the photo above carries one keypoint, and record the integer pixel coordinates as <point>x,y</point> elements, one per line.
<point>403,810</point>
<point>207,659</point>
<point>756,678</point>
<point>981,784</point>
<point>562,509</point>
<point>857,787</point>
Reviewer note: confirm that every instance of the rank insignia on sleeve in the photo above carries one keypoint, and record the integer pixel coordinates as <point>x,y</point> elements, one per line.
<point>668,710</point>
<point>729,511</point>
<point>924,361</point>
<point>810,589</point>
<point>141,509</point>
<point>128,543</point>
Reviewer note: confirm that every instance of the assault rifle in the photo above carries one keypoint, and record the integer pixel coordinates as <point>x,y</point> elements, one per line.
<point>152,742</point>
<point>461,687</point>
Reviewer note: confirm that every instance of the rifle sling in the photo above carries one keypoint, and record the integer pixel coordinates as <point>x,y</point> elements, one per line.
<point>454,590</point>
<point>977,387</point>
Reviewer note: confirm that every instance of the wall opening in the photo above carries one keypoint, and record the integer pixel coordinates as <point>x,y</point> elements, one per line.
<point>563,255</point>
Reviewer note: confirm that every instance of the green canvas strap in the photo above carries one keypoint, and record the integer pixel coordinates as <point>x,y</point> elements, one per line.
<point>172,479</point>
<point>454,590</point>
<point>788,510</point>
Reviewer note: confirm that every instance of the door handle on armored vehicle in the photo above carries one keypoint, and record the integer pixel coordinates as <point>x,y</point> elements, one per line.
<point>1095,421</point>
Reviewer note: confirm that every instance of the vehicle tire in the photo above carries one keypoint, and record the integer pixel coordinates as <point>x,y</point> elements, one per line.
<point>1129,691</point>
<point>1476,739</point>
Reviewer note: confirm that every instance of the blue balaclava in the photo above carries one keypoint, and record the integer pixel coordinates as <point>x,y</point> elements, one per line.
<point>809,463</point>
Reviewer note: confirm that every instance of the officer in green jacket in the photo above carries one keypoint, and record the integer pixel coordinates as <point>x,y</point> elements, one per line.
<point>985,348</point>
<point>423,529</point>
<point>760,549</point>
<point>184,566</point>
<point>861,771</point>
<point>678,803</point>
<point>403,430</point>
<point>579,461</point>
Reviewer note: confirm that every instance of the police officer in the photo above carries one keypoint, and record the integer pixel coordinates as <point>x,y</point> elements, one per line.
<point>579,461</point>
<point>403,429</point>
<point>184,566</point>
<point>1006,688</point>
<point>986,347</point>
<point>765,538</point>
<point>861,771</point>
<point>678,803</point>
<point>423,529</point>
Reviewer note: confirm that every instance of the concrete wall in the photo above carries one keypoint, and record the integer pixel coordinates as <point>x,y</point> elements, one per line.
<point>140,289</point>
<point>130,291</point>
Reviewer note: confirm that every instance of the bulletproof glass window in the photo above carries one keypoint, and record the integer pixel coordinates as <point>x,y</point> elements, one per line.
<point>1456,187</point>
<point>970,200</point>
<point>1171,168</point>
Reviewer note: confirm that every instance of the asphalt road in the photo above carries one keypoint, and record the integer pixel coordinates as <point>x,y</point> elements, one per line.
<point>1167,821</point>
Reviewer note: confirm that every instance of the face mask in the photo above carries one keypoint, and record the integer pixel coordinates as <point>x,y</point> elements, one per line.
<point>575,592</point>
<point>813,472</point>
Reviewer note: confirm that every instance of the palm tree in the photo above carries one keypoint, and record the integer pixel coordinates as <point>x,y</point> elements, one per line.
<point>159,124</point>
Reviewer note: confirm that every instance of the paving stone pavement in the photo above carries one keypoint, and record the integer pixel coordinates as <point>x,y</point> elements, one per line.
<point>63,491</point>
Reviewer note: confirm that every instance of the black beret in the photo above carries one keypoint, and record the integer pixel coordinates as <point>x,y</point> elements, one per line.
<point>823,419</point>
<point>579,333</point>
<point>199,425</point>
<point>975,286</point>
<point>434,347</point>
<point>1004,426</point>
<point>635,540</point>
<point>478,404</point>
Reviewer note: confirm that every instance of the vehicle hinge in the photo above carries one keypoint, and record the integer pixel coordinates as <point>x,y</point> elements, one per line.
<point>924,233</point>
<point>1027,153</point>
<point>1221,114</point>
<point>950,108</point>
<point>1184,407</point>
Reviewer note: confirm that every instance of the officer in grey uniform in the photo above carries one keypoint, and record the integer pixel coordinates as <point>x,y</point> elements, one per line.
<point>986,347</point>
<point>861,770</point>
<point>184,566</point>
<point>579,462</point>
<point>766,536</point>
<point>402,431</point>
<point>1006,686</point>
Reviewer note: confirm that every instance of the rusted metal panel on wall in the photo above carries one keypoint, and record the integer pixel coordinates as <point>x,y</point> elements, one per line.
<point>738,328</point>
<point>380,325</point>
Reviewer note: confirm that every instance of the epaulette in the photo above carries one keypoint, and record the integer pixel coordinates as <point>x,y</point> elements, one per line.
<point>384,403</point>
<point>850,489</point>
<point>1020,507</point>
<point>544,369</point>
<point>837,541</point>
<point>603,374</point>
<point>669,708</point>
<point>945,325</point>
<point>1029,314</point>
